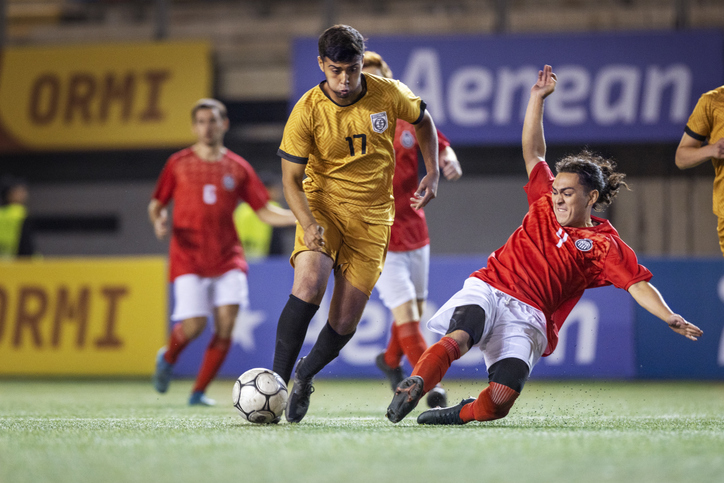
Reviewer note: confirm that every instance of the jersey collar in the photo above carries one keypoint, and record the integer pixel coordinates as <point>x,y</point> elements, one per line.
<point>364,92</point>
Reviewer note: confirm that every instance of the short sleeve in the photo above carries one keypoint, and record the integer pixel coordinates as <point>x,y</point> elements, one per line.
<point>166,183</point>
<point>252,189</point>
<point>699,125</point>
<point>297,141</point>
<point>410,107</point>
<point>539,183</point>
<point>621,267</point>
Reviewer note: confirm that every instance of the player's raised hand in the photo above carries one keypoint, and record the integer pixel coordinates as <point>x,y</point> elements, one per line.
<point>426,191</point>
<point>679,325</point>
<point>314,237</point>
<point>546,83</point>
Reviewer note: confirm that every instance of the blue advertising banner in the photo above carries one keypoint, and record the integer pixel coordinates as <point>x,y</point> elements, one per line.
<point>596,341</point>
<point>612,87</point>
<point>694,289</point>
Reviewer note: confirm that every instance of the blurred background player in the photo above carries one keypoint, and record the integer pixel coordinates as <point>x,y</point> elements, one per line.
<point>259,239</point>
<point>706,125</point>
<point>15,229</point>
<point>206,261</point>
<point>403,283</point>
<point>513,308</point>
<point>340,135</point>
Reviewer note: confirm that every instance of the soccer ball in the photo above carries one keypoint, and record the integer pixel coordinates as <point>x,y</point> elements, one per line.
<point>260,395</point>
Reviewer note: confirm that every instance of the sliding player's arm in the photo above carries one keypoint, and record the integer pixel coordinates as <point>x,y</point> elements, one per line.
<point>650,299</point>
<point>534,144</point>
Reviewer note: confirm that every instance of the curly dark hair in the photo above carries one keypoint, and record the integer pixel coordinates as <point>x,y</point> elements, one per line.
<point>595,173</point>
<point>341,43</point>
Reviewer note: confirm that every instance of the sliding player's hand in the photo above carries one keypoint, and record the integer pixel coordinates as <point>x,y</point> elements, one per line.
<point>546,83</point>
<point>426,191</point>
<point>679,325</point>
<point>314,237</point>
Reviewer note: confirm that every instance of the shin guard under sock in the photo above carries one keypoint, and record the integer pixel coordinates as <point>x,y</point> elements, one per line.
<point>412,342</point>
<point>213,358</point>
<point>435,362</point>
<point>291,331</point>
<point>494,402</point>
<point>325,350</point>
<point>177,342</point>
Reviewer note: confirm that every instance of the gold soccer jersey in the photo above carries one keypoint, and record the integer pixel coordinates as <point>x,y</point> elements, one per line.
<point>707,123</point>
<point>349,150</point>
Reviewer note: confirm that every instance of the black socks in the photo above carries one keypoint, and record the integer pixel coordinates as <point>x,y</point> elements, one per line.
<point>325,350</point>
<point>291,331</point>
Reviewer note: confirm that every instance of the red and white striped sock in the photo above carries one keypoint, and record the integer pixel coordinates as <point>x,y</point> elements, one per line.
<point>494,402</point>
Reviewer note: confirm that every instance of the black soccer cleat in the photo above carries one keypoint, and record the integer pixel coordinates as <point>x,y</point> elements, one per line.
<point>394,374</point>
<point>298,402</point>
<point>437,397</point>
<point>449,415</point>
<point>407,395</point>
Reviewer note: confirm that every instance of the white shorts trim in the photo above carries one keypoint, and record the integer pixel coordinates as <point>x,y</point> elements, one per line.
<point>512,328</point>
<point>196,296</point>
<point>404,277</point>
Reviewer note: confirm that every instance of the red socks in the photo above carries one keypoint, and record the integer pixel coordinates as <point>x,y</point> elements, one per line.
<point>435,361</point>
<point>176,343</point>
<point>406,339</point>
<point>412,342</point>
<point>213,358</point>
<point>494,402</point>
<point>393,353</point>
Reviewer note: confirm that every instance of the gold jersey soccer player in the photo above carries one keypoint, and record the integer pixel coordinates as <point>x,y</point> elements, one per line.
<point>340,136</point>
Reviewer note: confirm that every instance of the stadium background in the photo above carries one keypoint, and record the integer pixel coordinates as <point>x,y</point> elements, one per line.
<point>88,146</point>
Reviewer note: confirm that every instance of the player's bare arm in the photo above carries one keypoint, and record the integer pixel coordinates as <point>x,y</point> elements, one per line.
<point>450,165</point>
<point>691,153</point>
<point>275,215</point>
<point>648,297</point>
<point>158,214</point>
<point>534,145</point>
<point>292,177</point>
<point>427,138</point>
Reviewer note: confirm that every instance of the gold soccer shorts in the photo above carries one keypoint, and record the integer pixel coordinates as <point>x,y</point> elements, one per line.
<point>357,248</point>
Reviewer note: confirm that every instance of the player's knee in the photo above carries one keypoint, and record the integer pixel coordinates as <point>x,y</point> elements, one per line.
<point>510,372</point>
<point>469,319</point>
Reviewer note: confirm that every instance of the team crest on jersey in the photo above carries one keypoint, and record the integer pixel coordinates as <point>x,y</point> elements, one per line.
<point>584,244</point>
<point>407,139</point>
<point>379,122</point>
<point>228,182</point>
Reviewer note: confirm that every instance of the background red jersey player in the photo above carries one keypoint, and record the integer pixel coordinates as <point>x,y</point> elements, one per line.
<point>403,283</point>
<point>207,266</point>
<point>513,308</point>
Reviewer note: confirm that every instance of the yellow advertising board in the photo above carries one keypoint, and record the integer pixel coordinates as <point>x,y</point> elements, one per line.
<point>89,316</point>
<point>101,96</point>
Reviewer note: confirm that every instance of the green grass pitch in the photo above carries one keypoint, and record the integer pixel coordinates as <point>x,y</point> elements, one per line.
<point>122,431</point>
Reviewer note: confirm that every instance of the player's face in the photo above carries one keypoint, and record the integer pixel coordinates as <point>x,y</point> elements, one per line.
<point>344,80</point>
<point>571,204</point>
<point>209,127</point>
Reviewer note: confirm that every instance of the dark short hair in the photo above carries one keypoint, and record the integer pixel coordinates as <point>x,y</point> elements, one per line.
<point>9,182</point>
<point>341,43</point>
<point>207,103</point>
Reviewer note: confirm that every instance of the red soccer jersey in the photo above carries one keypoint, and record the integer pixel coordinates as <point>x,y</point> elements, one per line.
<point>409,231</point>
<point>205,193</point>
<point>549,266</point>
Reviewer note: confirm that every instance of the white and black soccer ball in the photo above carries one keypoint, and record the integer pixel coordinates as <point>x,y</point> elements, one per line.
<point>260,396</point>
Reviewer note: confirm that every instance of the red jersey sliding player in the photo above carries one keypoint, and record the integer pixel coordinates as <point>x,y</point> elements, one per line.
<point>403,283</point>
<point>207,266</point>
<point>513,308</point>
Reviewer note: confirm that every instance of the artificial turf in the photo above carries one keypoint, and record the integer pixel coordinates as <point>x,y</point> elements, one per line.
<point>571,431</point>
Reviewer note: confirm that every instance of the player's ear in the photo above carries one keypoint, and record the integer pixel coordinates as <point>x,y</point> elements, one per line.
<point>592,197</point>
<point>321,63</point>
